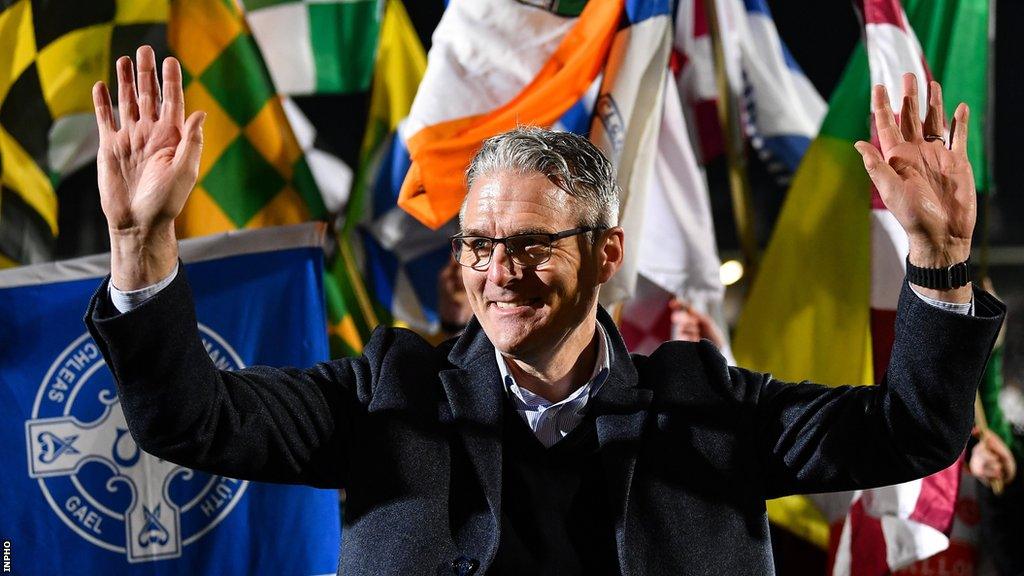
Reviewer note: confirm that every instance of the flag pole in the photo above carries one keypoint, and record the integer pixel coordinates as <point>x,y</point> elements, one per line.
<point>990,141</point>
<point>729,120</point>
<point>981,423</point>
<point>980,420</point>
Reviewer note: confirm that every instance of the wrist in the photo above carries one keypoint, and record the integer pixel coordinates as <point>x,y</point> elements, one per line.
<point>925,254</point>
<point>940,265</point>
<point>141,257</point>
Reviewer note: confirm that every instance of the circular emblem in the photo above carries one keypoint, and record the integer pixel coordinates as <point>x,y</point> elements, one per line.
<point>96,479</point>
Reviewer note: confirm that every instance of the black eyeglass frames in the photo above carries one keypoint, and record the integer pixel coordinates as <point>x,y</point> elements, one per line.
<point>529,249</point>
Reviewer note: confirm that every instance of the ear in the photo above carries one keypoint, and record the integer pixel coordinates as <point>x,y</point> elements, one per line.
<point>610,253</point>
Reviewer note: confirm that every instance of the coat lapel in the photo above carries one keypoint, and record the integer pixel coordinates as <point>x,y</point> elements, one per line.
<point>620,409</point>
<point>475,395</point>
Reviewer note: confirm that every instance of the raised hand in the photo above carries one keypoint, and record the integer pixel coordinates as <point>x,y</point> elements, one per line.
<point>927,185</point>
<point>147,168</point>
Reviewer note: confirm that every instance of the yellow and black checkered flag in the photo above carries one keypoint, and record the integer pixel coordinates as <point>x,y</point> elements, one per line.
<point>51,53</point>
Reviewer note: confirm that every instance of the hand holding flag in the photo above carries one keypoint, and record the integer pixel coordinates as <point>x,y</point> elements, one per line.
<point>146,169</point>
<point>928,186</point>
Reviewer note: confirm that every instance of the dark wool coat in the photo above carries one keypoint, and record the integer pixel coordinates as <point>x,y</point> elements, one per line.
<point>691,447</point>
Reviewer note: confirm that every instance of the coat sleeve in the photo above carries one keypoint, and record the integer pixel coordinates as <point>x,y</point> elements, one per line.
<point>260,423</point>
<point>812,438</point>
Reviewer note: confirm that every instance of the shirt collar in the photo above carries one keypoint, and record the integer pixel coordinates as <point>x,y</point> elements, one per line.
<point>602,367</point>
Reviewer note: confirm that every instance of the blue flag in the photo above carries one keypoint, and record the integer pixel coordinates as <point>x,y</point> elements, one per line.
<point>79,497</point>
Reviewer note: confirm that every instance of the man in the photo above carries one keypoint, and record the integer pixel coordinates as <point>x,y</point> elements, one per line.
<point>534,443</point>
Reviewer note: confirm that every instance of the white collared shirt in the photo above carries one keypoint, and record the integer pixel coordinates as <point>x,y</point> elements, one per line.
<point>549,421</point>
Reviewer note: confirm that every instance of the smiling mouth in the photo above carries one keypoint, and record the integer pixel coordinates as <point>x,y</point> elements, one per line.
<point>531,302</point>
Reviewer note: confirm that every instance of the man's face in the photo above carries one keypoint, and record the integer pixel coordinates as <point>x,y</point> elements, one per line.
<point>529,311</point>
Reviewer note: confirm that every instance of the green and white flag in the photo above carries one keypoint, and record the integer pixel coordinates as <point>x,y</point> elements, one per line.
<point>316,46</point>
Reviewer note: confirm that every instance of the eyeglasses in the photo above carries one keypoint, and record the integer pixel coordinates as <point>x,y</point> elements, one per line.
<point>524,249</point>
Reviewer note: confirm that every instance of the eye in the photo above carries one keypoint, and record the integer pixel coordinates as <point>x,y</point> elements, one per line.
<point>478,244</point>
<point>531,249</point>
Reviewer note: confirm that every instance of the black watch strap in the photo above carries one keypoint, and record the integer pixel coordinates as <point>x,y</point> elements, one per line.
<point>954,276</point>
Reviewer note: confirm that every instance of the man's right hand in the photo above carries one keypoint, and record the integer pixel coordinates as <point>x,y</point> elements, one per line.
<point>146,169</point>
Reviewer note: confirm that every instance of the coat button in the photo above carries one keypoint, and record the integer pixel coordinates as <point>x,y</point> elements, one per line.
<point>463,566</point>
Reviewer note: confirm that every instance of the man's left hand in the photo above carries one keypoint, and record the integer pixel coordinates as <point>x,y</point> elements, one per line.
<point>927,186</point>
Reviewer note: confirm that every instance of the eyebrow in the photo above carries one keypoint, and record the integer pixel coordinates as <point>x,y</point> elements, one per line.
<point>528,230</point>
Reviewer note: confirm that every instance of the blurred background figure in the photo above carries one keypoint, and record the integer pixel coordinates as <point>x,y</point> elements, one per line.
<point>691,325</point>
<point>992,463</point>
<point>452,302</point>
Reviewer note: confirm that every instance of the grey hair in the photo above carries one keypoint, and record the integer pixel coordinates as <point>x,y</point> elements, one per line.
<point>568,160</point>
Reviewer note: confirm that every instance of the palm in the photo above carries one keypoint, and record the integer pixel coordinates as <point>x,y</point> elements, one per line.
<point>937,196</point>
<point>147,167</point>
<point>927,186</point>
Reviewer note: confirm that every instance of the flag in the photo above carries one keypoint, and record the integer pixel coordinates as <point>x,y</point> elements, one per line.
<point>494,65</point>
<point>51,53</point>
<point>316,47</point>
<point>781,110</point>
<point>254,170</point>
<point>832,326</point>
<point>892,527</point>
<point>80,497</point>
<point>677,252</point>
<point>401,256</point>
<point>627,119</point>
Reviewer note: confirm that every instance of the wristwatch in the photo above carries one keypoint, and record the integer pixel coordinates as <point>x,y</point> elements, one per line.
<point>954,276</point>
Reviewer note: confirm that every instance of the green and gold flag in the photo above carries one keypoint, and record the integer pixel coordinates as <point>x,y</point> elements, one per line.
<point>253,171</point>
<point>317,46</point>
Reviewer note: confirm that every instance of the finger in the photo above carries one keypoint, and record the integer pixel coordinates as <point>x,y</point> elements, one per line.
<point>994,443</point>
<point>174,98</point>
<point>958,129</point>
<point>885,123</point>
<point>127,105</point>
<point>882,175</point>
<point>910,119</point>
<point>104,111</point>
<point>190,149</point>
<point>935,121</point>
<point>149,90</point>
<point>993,469</point>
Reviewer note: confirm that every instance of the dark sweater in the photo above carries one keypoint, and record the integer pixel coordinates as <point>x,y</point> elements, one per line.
<point>555,507</point>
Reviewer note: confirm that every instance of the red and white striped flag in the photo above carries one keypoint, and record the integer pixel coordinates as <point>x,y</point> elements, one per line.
<point>892,527</point>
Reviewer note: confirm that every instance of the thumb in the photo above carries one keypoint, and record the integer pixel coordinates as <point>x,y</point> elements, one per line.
<point>885,179</point>
<point>190,148</point>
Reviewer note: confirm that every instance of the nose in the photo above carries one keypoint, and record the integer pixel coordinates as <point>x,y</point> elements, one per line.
<point>501,268</point>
